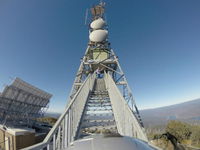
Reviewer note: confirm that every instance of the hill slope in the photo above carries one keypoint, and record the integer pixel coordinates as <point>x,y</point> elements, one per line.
<point>187,111</point>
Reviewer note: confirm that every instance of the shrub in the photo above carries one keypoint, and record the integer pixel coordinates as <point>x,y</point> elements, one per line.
<point>180,130</point>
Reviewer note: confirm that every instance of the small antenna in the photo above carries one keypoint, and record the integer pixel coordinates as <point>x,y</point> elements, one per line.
<point>11,78</point>
<point>86,16</point>
<point>102,3</point>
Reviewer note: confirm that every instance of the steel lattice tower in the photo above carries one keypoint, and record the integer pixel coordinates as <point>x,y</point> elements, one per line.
<point>100,102</point>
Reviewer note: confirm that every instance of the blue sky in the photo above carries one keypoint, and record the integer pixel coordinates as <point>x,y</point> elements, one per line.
<point>158,44</point>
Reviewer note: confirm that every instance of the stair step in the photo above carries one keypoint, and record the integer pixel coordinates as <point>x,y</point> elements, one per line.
<point>99,109</point>
<point>95,124</point>
<point>98,105</point>
<point>99,118</point>
<point>111,127</point>
<point>99,121</point>
<point>98,99</point>
<point>98,115</point>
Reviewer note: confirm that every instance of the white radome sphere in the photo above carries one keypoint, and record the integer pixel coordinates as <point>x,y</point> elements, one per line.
<point>97,24</point>
<point>98,35</point>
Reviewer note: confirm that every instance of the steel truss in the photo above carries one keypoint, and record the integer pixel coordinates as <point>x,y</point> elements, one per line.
<point>128,120</point>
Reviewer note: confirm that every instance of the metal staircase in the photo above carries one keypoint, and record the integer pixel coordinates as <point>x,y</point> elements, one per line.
<point>98,115</point>
<point>97,108</point>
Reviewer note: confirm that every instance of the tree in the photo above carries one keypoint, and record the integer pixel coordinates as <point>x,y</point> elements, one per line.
<point>195,137</point>
<point>180,130</point>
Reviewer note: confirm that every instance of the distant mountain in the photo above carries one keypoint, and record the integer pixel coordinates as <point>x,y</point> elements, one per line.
<point>187,111</point>
<point>52,114</point>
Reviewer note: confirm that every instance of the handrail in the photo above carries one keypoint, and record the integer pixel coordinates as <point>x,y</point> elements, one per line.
<point>64,130</point>
<point>126,121</point>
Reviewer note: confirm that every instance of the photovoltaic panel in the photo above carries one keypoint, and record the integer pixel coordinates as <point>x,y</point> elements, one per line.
<point>22,102</point>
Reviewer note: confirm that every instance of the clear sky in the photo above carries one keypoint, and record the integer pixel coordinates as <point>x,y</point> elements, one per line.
<point>157,41</point>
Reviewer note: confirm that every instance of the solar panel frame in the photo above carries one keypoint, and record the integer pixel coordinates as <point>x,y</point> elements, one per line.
<point>22,102</point>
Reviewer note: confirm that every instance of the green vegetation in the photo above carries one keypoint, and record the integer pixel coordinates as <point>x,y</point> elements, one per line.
<point>49,120</point>
<point>178,132</point>
<point>182,131</point>
<point>195,137</point>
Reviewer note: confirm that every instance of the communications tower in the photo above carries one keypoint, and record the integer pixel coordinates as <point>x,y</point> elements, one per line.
<point>101,113</point>
<point>100,56</point>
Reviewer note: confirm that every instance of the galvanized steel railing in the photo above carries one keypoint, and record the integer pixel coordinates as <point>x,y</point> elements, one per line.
<point>65,129</point>
<point>126,121</point>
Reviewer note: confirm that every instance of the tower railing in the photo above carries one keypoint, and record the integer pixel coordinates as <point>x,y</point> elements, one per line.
<point>126,121</point>
<point>65,129</point>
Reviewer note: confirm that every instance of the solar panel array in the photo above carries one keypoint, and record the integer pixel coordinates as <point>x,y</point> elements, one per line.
<point>22,103</point>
